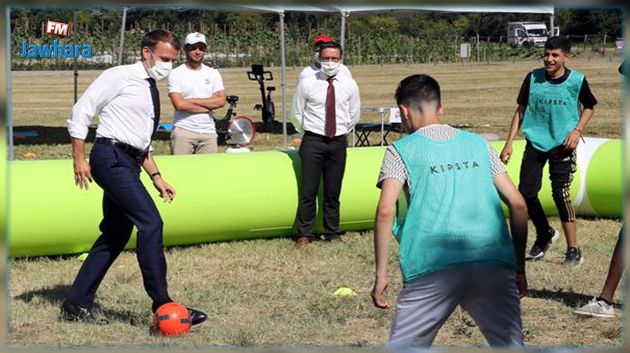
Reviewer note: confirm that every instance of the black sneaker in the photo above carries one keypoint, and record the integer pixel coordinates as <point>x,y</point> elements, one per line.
<point>573,257</point>
<point>540,247</point>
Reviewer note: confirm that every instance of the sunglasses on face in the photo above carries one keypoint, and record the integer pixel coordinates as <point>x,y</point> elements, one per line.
<point>192,47</point>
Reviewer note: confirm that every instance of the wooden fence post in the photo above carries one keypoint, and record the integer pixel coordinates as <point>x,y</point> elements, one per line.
<point>486,57</point>
<point>456,46</point>
<point>585,38</point>
<point>477,47</point>
<point>360,56</point>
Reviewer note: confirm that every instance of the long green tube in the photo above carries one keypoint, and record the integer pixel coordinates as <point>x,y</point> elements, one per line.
<point>231,196</point>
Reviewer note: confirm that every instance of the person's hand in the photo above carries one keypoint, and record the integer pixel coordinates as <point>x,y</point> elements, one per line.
<point>82,175</point>
<point>377,292</point>
<point>572,140</point>
<point>506,153</point>
<point>521,284</point>
<point>167,192</point>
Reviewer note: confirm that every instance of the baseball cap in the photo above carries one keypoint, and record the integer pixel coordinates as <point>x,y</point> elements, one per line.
<point>195,37</point>
<point>323,38</point>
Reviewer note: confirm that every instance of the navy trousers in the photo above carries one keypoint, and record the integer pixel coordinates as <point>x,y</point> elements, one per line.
<point>126,203</point>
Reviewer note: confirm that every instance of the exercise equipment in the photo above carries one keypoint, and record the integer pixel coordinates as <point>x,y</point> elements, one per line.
<point>267,107</point>
<point>238,131</point>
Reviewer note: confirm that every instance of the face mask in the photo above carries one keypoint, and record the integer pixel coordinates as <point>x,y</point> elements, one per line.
<point>330,68</point>
<point>160,70</point>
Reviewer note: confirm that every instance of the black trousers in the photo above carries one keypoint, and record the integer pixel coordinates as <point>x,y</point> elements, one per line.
<point>321,157</point>
<point>562,165</point>
<point>126,203</point>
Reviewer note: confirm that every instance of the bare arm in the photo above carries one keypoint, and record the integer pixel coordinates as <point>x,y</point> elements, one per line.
<point>216,101</point>
<point>517,120</point>
<point>385,213</point>
<point>82,171</point>
<point>185,105</point>
<point>167,192</point>
<point>572,140</point>
<point>518,223</point>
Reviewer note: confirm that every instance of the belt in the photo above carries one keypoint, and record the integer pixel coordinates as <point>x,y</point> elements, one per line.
<point>323,137</point>
<point>137,153</point>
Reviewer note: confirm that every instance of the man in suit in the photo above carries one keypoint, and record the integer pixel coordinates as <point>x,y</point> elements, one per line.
<point>126,100</point>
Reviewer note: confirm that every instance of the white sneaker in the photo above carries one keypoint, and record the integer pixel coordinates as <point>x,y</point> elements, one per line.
<point>597,308</point>
<point>555,235</point>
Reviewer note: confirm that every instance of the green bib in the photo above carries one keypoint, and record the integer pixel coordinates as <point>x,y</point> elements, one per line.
<point>552,110</point>
<point>454,214</point>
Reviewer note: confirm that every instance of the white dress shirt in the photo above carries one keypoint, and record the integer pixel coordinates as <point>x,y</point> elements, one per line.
<point>189,83</point>
<point>121,97</point>
<point>309,104</point>
<point>312,70</point>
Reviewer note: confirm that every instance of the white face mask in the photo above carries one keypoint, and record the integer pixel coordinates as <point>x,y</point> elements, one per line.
<point>160,70</point>
<point>330,68</point>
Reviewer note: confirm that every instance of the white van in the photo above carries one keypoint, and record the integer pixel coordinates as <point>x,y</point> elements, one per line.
<point>528,34</point>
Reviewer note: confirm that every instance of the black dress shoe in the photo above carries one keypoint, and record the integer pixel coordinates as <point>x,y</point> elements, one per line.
<point>73,312</point>
<point>196,316</point>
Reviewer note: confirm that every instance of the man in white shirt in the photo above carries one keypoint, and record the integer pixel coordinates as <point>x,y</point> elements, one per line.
<point>195,90</point>
<point>326,107</point>
<point>127,101</point>
<point>313,68</point>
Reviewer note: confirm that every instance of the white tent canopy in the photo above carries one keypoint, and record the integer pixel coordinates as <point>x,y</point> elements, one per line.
<point>545,9</point>
<point>344,11</point>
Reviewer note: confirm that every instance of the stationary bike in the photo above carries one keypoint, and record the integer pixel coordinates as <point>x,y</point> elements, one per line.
<point>237,131</point>
<point>267,107</point>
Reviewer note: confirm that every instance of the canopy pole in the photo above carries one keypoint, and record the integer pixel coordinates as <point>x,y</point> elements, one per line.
<point>74,64</point>
<point>9,108</point>
<point>342,40</point>
<point>283,83</point>
<point>551,25</point>
<point>122,36</point>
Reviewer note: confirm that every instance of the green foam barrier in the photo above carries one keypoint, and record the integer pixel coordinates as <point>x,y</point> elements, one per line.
<point>513,169</point>
<point>604,180</point>
<point>219,197</point>
<point>224,197</point>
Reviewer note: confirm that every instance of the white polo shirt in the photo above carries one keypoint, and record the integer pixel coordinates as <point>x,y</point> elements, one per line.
<point>189,83</point>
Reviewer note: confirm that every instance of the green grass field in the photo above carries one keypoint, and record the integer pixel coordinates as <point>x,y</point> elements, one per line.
<point>263,293</point>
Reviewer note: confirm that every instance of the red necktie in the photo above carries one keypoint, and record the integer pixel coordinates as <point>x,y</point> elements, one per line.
<point>331,123</point>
